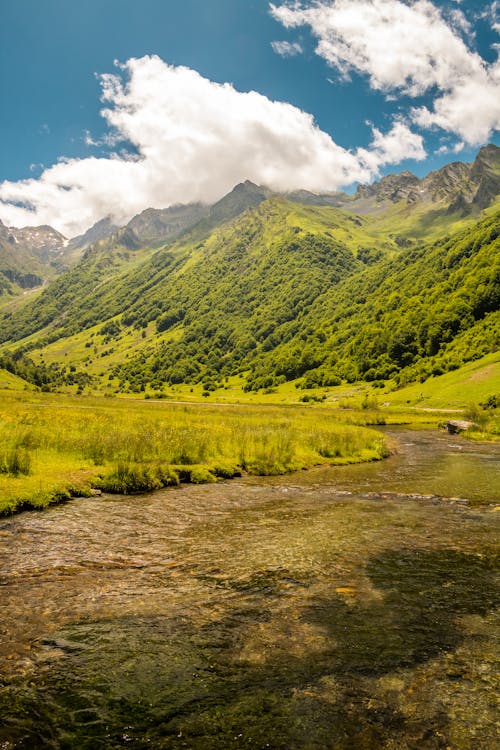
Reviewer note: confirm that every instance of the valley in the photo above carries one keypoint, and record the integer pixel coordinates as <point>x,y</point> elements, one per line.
<point>374,308</point>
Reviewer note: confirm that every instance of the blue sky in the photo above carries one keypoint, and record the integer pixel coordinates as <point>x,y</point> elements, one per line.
<point>337,61</point>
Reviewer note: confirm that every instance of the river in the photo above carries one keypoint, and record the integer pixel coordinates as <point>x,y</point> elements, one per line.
<point>350,608</point>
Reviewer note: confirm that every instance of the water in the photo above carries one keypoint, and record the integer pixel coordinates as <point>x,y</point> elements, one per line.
<point>352,608</point>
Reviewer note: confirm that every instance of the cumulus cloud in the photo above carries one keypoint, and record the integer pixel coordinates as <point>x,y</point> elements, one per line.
<point>411,48</point>
<point>393,147</point>
<point>190,139</point>
<point>287,49</point>
<point>470,107</point>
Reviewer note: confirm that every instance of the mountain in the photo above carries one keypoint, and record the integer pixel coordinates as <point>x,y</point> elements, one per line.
<point>317,199</point>
<point>243,196</point>
<point>28,256</point>
<point>45,243</point>
<point>460,186</point>
<point>301,305</point>
<point>18,266</point>
<point>99,231</point>
<point>275,289</point>
<point>154,225</point>
<point>392,187</point>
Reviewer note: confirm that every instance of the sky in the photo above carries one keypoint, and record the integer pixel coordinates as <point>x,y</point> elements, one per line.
<point>112,106</point>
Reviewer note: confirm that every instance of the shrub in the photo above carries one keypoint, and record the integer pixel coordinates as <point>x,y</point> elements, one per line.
<point>492,402</point>
<point>168,476</point>
<point>226,471</point>
<point>201,475</point>
<point>129,479</point>
<point>475,414</point>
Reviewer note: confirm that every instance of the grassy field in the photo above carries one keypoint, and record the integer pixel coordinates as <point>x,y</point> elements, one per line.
<point>57,445</point>
<point>54,446</point>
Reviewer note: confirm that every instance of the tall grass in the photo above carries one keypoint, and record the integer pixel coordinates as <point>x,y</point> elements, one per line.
<point>15,461</point>
<point>54,443</point>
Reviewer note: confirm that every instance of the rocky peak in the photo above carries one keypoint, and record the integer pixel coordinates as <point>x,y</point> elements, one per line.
<point>243,196</point>
<point>154,225</point>
<point>99,231</point>
<point>485,175</point>
<point>393,187</point>
<point>5,234</point>
<point>446,183</point>
<point>488,157</point>
<point>44,242</point>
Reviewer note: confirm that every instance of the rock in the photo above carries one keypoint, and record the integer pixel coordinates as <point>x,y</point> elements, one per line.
<point>458,425</point>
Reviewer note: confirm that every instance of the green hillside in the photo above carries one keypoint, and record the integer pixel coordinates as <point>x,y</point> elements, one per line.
<point>423,312</point>
<point>279,302</point>
<point>274,290</point>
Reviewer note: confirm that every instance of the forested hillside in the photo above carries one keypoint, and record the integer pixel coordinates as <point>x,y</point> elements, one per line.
<point>308,307</point>
<point>275,289</point>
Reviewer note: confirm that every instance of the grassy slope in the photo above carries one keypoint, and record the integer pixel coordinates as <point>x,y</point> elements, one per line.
<point>8,381</point>
<point>58,305</point>
<point>472,383</point>
<point>406,309</point>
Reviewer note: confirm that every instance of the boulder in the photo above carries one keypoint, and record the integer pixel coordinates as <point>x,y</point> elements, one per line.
<point>458,425</point>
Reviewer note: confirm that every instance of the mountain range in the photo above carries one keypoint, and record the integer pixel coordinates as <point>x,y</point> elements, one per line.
<point>400,281</point>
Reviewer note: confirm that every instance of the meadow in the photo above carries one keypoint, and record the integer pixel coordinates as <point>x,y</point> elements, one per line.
<point>57,446</point>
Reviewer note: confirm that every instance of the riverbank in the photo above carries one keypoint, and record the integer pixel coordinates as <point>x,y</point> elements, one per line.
<point>54,446</point>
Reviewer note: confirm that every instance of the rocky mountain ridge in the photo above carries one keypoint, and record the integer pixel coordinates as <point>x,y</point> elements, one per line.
<point>463,186</point>
<point>30,254</point>
<point>44,242</point>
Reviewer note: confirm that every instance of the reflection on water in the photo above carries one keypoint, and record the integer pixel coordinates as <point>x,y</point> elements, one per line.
<point>325,610</point>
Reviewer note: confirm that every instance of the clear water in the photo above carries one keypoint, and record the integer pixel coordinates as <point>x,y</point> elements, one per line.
<point>351,609</point>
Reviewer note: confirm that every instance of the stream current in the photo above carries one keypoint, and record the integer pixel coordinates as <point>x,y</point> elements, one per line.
<point>350,608</point>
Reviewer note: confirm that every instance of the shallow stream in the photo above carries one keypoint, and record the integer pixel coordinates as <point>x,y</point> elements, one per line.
<point>350,608</point>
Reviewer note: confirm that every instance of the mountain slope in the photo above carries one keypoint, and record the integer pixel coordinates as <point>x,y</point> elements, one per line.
<point>101,230</point>
<point>267,296</point>
<point>280,290</point>
<point>423,312</point>
<point>306,306</point>
<point>18,266</point>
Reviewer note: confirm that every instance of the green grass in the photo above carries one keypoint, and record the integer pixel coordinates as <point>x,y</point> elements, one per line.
<point>67,445</point>
<point>472,383</point>
<point>12,382</point>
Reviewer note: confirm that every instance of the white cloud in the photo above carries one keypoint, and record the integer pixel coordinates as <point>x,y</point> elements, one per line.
<point>470,108</point>
<point>491,12</point>
<point>88,139</point>
<point>409,48</point>
<point>287,49</point>
<point>193,140</point>
<point>460,22</point>
<point>393,147</point>
<point>456,148</point>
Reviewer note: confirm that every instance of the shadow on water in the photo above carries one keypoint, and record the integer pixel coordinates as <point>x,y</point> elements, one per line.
<point>166,682</point>
<point>424,592</point>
